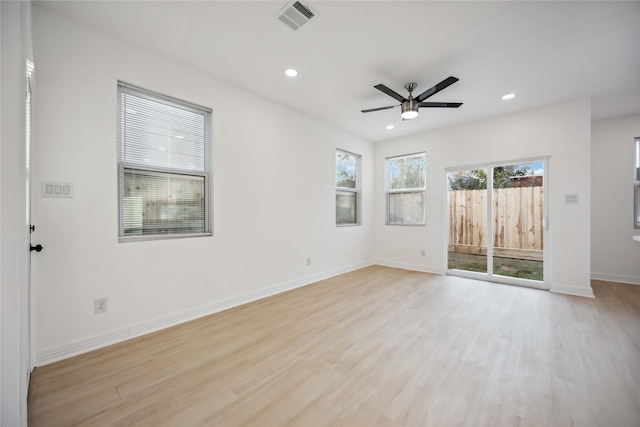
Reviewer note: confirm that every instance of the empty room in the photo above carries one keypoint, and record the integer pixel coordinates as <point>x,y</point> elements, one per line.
<point>310,213</point>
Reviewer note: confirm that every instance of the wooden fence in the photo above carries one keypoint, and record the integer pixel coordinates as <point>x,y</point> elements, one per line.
<point>517,222</point>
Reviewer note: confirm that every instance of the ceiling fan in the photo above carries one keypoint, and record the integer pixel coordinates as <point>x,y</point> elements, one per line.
<point>411,105</point>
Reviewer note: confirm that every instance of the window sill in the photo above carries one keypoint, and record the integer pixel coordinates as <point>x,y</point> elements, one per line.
<point>143,238</point>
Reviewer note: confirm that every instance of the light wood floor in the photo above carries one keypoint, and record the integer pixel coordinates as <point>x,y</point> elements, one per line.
<point>378,346</point>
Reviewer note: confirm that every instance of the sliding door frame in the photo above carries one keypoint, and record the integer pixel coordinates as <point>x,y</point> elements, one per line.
<point>488,275</point>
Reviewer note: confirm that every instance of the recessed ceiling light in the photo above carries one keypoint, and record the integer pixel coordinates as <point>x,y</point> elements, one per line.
<point>291,72</point>
<point>509,96</point>
<point>390,127</point>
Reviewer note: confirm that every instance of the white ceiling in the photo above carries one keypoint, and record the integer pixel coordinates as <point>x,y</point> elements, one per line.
<point>545,52</point>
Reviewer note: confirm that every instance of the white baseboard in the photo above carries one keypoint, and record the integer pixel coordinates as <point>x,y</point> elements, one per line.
<point>630,280</point>
<point>578,291</point>
<point>85,345</point>
<point>561,289</point>
<point>408,266</point>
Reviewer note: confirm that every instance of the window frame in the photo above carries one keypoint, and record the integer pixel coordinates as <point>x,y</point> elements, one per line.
<point>355,190</point>
<point>389,191</point>
<point>636,184</point>
<point>122,165</point>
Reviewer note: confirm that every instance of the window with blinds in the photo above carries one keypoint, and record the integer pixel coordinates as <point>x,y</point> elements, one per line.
<point>636,186</point>
<point>163,166</point>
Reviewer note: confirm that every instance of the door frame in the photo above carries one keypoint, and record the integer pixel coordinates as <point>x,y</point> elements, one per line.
<point>488,276</point>
<point>29,197</point>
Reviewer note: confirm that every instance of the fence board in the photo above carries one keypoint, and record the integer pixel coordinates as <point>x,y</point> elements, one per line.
<point>517,221</point>
<point>498,252</point>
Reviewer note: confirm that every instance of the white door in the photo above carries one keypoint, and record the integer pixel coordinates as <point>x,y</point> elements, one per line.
<point>34,247</point>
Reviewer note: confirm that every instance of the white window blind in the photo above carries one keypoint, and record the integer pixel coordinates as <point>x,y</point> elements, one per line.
<point>163,165</point>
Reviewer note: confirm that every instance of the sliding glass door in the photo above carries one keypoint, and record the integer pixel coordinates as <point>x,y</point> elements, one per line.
<point>498,235</point>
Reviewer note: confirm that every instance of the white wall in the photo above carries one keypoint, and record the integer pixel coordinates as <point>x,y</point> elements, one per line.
<point>560,131</point>
<point>273,198</point>
<point>614,255</point>
<point>273,195</point>
<point>14,350</point>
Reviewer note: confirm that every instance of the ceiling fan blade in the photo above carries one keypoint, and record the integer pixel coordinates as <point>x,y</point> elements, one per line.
<point>440,104</point>
<point>379,109</point>
<point>391,93</point>
<point>437,88</point>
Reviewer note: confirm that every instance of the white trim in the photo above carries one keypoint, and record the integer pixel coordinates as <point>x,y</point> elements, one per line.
<point>489,275</point>
<point>497,163</point>
<point>389,191</point>
<point>490,237</point>
<point>494,278</point>
<point>408,266</point>
<point>629,280</point>
<point>578,291</point>
<point>87,344</point>
<point>357,190</point>
<point>468,274</point>
<point>131,159</point>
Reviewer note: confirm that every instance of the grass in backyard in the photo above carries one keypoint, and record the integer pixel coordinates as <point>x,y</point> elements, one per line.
<point>520,268</point>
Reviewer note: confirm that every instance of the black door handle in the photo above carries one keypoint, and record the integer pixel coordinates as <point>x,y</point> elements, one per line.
<point>37,248</point>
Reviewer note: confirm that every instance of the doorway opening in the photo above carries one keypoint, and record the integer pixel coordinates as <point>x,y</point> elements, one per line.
<point>498,235</point>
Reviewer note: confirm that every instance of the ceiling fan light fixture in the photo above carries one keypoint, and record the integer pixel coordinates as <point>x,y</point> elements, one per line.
<point>409,114</point>
<point>409,109</point>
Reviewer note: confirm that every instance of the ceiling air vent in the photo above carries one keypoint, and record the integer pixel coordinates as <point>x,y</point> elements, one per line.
<point>294,15</point>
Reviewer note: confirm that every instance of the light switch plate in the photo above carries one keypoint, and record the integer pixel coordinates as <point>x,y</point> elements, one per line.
<point>57,189</point>
<point>571,198</point>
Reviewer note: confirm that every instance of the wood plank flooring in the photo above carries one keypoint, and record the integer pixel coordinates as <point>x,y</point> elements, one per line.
<point>378,346</point>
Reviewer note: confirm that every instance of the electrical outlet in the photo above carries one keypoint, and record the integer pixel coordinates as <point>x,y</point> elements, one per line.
<point>308,261</point>
<point>99,305</point>
<point>571,198</point>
